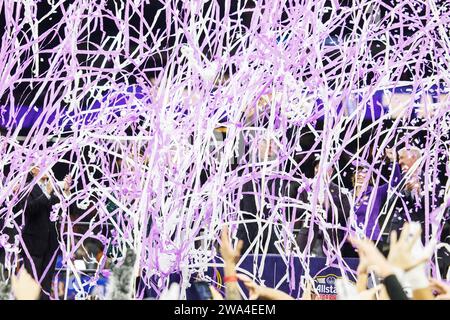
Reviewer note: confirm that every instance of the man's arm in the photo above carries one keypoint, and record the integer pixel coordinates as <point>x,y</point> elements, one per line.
<point>391,157</point>
<point>247,206</point>
<point>293,213</point>
<point>230,257</point>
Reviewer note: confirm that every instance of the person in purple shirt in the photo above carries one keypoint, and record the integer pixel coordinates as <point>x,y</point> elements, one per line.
<point>370,196</point>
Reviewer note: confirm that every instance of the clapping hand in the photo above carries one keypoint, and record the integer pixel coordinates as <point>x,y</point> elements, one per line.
<point>16,188</point>
<point>413,183</point>
<point>49,187</point>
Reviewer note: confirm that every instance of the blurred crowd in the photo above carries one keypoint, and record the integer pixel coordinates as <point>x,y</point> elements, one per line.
<point>351,206</point>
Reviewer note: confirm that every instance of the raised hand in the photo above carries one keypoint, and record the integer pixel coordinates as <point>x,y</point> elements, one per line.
<point>230,257</point>
<point>362,272</point>
<point>307,293</point>
<point>401,250</point>
<point>226,250</point>
<point>24,287</point>
<point>363,264</point>
<point>254,289</point>
<point>67,183</point>
<point>375,259</point>
<point>215,294</point>
<point>391,154</point>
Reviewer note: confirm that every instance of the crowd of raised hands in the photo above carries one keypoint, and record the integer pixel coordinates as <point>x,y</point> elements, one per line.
<point>402,275</point>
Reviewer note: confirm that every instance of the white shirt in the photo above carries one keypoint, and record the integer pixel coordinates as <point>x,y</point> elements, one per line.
<point>43,187</point>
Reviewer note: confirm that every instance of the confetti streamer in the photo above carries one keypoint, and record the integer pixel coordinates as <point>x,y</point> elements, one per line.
<point>159,111</point>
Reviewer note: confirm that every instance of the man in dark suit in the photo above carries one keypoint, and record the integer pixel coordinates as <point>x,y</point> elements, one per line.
<point>336,204</point>
<point>39,233</point>
<point>410,202</point>
<point>250,203</point>
<point>252,208</point>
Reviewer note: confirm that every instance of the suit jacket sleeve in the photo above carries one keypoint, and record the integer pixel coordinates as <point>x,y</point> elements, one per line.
<point>248,203</point>
<point>248,206</point>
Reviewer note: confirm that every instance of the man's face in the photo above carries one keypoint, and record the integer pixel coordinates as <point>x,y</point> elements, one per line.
<point>35,172</point>
<point>406,159</point>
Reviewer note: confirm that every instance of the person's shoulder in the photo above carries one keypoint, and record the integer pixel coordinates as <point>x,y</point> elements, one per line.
<point>248,185</point>
<point>337,188</point>
<point>36,190</point>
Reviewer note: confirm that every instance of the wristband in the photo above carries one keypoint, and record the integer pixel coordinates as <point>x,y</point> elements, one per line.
<point>230,279</point>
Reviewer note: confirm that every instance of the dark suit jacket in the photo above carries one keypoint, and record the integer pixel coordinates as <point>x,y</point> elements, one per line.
<point>39,233</point>
<point>406,207</point>
<point>248,231</point>
<point>337,213</point>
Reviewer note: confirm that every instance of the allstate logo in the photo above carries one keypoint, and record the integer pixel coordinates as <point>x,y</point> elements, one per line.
<point>331,280</point>
<point>325,285</point>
